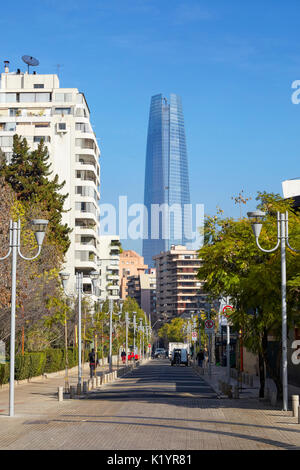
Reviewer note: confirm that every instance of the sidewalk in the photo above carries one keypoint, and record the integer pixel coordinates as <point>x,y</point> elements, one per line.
<point>35,396</point>
<point>246,391</point>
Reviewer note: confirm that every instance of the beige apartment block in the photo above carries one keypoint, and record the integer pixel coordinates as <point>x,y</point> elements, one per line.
<point>34,106</point>
<point>178,290</point>
<point>142,288</point>
<point>131,264</point>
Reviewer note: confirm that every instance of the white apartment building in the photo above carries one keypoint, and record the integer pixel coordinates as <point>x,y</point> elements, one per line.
<point>109,265</point>
<point>34,106</point>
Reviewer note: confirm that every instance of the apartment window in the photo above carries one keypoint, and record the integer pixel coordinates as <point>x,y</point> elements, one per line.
<point>62,126</point>
<point>6,141</point>
<point>63,97</point>
<point>34,97</point>
<point>38,138</point>
<point>38,85</point>
<point>62,111</point>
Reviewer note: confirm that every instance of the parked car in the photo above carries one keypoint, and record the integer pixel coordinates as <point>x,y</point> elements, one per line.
<point>160,352</point>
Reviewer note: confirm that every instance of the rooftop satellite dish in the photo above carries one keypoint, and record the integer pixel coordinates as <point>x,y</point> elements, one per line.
<point>30,61</point>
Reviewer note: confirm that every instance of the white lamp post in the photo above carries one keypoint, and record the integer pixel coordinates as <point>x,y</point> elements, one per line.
<point>79,288</point>
<point>256,219</point>
<point>39,227</point>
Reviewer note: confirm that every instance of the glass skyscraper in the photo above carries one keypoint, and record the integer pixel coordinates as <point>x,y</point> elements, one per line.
<point>167,220</point>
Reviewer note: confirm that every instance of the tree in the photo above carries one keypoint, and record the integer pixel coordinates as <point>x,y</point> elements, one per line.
<point>234,266</point>
<point>29,176</point>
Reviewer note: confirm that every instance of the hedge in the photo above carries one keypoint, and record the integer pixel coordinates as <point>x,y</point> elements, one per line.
<point>33,364</point>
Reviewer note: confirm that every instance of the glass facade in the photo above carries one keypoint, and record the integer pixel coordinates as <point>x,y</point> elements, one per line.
<point>167,221</point>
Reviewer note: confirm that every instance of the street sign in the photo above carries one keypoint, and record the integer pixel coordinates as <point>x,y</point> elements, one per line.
<point>209,326</point>
<point>227,315</point>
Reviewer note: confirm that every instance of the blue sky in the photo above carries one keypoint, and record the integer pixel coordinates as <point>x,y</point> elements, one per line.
<point>233,63</point>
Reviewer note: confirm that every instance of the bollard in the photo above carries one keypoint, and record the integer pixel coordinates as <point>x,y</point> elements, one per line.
<point>273,398</point>
<point>90,385</point>
<point>236,392</point>
<point>229,391</point>
<point>98,381</point>
<point>60,393</point>
<point>85,387</point>
<point>295,405</point>
<point>78,389</point>
<point>94,380</point>
<point>72,391</point>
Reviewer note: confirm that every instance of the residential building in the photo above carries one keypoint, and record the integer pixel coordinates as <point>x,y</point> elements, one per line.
<point>108,265</point>
<point>166,194</point>
<point>142,288</point>
<point>131,264</point>
<point>291,190</point>
<point>34,106</point>
<point>179,292</point>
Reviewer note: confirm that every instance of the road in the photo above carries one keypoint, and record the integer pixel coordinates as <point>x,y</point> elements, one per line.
<point>158,407</point>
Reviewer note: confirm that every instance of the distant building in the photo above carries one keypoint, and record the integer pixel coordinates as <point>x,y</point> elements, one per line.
<point>131,264</point>
<point>142,288</point>
<point>291,190</point>
<point>178,290</point>
<point>108,265</point>
<point>166,179</point>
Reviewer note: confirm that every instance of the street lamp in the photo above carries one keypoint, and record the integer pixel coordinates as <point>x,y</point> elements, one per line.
<point>39,227</point>
<point>64,276</point>
<point>256,219</point>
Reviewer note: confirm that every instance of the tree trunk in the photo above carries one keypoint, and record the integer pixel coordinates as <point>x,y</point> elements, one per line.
<point>261,364</point>
<point>274,373</point>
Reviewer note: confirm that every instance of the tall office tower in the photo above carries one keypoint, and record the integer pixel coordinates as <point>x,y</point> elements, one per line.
<point>168,221</point>
<point>35,107</point>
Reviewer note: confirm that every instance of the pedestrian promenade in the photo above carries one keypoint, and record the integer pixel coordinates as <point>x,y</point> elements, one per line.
<point>153,407</point>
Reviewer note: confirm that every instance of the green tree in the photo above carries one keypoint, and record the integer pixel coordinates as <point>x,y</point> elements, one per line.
<point>234,266</point>
<point>29,176</point>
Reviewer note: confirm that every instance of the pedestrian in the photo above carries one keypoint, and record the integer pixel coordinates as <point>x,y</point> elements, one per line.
<point>92,361</point>
<point>123,356</point>
<point>200,358</point>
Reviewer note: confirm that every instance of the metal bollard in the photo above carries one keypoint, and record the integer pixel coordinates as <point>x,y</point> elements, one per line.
<point>295,405</point>
<point>72,391</point>
<point>236,392</point>
<point>94,380</point>
<point>60,393</point>
<point>78,389</point>
<point>98,381</point>
<point>85,387</point>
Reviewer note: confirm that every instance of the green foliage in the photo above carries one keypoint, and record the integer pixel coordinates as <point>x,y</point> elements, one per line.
<point>234,266</point>
<point>29,176</point>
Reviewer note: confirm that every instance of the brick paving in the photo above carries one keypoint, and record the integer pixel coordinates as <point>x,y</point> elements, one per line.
<point>154,407</point>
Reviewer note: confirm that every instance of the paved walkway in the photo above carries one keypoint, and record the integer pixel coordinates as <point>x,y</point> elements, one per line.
<point>155,407</point>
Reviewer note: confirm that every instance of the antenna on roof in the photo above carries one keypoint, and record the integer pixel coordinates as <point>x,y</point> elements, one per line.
<point>30,61</point>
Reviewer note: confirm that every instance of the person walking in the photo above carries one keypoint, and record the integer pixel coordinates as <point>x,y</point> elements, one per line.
<point>200,358</point>
<point>92,361</point>
<point>123,356</point>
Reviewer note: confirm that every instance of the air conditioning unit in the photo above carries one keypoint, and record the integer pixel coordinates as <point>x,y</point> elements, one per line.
<point>61,127</point>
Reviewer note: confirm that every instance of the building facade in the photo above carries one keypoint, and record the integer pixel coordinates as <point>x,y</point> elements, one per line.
<point>34,106</point>
<point>108,266</point>
<point>178,290</point>
<point>142,288</point>
<point>166,195</point>
<point>131,264</point>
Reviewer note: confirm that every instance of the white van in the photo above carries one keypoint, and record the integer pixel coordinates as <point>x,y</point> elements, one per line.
<point>182,354</point>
